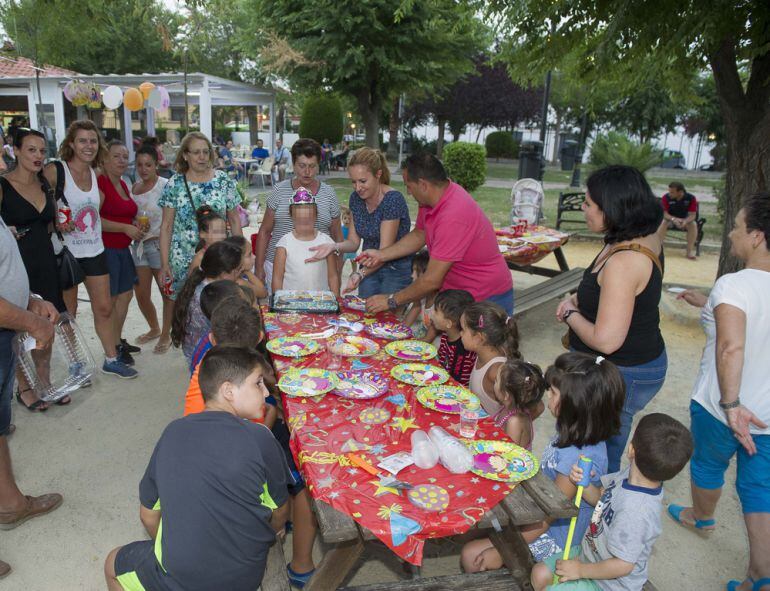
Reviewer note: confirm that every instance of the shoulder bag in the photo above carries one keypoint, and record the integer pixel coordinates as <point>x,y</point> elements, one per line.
<point>70,271</point>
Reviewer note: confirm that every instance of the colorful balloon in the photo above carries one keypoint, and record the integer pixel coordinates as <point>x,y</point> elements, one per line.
<point>112,97</point>
<point>155,99</point>
<point>146,88</point>
<point>165,101</point>
<point>133,100</point>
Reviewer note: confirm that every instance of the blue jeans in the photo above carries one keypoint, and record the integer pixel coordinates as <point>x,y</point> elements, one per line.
<point>390,278</point>
<point>7,378</point>
<point>504,300</point>
<point>642,383</point>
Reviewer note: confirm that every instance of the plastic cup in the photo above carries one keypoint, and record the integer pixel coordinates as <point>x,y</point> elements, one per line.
<point>469,421</point>
<point>334,359</point>
<point>144,220</point>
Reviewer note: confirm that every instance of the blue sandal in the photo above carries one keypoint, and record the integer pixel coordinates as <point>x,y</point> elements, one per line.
<point>298,580</point>
<point>705,526</point>
<point>756,585</point>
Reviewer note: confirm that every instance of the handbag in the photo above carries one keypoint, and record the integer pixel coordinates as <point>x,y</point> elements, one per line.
<point>70,271</point>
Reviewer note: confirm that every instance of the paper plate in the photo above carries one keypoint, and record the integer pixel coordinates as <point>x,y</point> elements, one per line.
<point>540,239</point>
<point>293,346</point>
<point>307,381</point>
<point>414,374</point>
<point>448,399</point>
<point>389,330</point>
<point>353,346</point>
<point>354,303</point>
<point>359,385</point>
<point>411,350</point>
<point>502,460</point>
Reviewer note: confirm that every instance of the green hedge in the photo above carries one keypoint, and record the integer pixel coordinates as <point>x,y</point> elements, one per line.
<point>500,144</point>
<point>322,119</point>
<point>466,164</point>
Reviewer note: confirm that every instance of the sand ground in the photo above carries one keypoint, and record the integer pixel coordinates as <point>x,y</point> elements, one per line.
<point>95,451</point>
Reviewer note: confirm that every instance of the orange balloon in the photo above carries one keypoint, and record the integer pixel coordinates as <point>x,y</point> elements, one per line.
<point>146,88</point>
<point>133,99</point>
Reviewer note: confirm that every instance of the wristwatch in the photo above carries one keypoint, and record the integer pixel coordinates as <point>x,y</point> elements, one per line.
<point>337,249</point>
<point>728,405</point>
<point>35,296</point>
<point>569,313</point>
<point>392,304</point>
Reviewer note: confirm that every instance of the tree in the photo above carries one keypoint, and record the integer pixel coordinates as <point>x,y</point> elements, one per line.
<point>322,119</point>
<point>612,38</point>
<point>370,50</point>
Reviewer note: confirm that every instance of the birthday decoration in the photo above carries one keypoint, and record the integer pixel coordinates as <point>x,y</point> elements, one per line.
<point>112,97</point>
<point>146,88</point>
<point>83,94</point>
<point>133,99</point>
<point>503,461</point>
<point>293,346</point>
<point>448,399</point>
<point>411,350</point>
<point>307,381</point>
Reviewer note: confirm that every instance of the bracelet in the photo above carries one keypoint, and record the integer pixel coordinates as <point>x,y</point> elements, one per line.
<point>569,313</point>
<point>729,405</point>
<point>34,296</point>
<point>336,249</point>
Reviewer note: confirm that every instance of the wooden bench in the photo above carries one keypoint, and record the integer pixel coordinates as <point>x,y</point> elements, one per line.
<point>548,290</point>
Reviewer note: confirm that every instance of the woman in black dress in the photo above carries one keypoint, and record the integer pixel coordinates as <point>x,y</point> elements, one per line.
<point>30,212</point>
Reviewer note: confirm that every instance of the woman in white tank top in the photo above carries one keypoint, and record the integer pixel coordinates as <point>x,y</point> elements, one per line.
<point>81,151</point>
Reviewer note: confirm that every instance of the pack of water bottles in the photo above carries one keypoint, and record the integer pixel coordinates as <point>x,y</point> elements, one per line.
<point>439,446</point>
<point>56,371</point>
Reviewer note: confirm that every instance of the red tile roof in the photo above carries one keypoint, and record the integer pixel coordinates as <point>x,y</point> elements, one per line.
<point>21,67</point>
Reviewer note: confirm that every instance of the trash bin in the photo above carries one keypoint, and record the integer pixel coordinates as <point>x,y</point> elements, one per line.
<point>568,154</point>
<point>531,163</point>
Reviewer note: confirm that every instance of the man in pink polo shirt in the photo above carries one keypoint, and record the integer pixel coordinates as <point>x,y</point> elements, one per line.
<point>460,239</point>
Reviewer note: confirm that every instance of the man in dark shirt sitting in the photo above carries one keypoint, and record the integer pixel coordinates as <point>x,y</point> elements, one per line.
<point>680,210</point>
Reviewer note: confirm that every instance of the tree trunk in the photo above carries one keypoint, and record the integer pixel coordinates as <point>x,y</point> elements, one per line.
<point>253,125</point>
<point>441,122</point>
<point>556,132</point>
<point>393,124</point>
<point>370,105</point>
<point>746,117</point>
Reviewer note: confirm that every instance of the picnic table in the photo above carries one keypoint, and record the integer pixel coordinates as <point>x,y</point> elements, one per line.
<point>521,253</point>
<point>354,507</point>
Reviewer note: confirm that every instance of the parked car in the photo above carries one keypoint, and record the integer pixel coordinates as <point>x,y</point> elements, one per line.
<point>673,159</point>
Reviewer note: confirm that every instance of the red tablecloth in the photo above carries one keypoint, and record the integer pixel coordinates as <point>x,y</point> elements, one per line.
<point>325,429</point>
<point>534,245</point>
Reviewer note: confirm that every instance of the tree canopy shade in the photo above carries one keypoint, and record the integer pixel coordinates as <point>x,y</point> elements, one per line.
<point>322,119</point>
<point>370,50</point>
<point>92,36</point>
<point>609,39</point>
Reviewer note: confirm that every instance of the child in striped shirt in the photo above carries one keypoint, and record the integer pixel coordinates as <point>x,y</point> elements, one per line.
<point>448,306</point>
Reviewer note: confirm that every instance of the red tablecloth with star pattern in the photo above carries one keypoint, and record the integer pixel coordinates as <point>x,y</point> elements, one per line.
<point>325,428</point>
<point>536,243</point>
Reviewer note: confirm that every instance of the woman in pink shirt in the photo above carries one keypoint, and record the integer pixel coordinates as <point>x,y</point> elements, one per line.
<point>460,239</point>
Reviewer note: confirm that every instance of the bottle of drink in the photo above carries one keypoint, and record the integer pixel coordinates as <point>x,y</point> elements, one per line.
<point>453,455</point>
<point>424,452</point>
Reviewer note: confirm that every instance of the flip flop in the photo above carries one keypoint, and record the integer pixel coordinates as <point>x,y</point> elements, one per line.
<point>703,526</point>
<point>756,585</point>
<point>145,338</point>
<point>161,348</point>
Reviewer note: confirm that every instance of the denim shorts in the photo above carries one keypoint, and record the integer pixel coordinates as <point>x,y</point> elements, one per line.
<point>7,378</point>
<point>715,446</point>
<point>150,254</point>
<point>122,270</point>
<point>504,300</point>
<point>390,278</point>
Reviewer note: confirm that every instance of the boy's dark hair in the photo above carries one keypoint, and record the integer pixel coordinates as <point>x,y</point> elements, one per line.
<point>676,185</point>
<point>226,364</point>
<point>662,446</point>
<point>499,329</point>
<point>629,206</point>
<point>234,322</point>
<point>420,261</point>
<point>756,208</point>
<point>592,397</point>
<point>523,382</point>
<point>424,166</point>
<point>215,293</point>
<point>452,303</point>
<point>248,294</point>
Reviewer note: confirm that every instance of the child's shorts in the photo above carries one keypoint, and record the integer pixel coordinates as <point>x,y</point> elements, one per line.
<point>580,585</point>
<point>282,435</point>
<point>715,446</point>
<point>137,569</point>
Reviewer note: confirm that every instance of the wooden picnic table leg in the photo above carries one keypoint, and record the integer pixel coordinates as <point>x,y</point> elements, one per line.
<point>335,566</point>
<point>276,578</point>
<point>515,554</point>
<point>559,254</point>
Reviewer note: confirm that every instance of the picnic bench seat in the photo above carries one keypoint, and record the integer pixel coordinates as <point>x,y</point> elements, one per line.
<point>546,291</point>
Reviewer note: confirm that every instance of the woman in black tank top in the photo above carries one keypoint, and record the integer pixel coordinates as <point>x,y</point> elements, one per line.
<point>614,314</point>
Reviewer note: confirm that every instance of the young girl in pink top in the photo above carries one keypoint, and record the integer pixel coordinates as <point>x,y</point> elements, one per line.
<point>519,388</point>
<point>487,329</point>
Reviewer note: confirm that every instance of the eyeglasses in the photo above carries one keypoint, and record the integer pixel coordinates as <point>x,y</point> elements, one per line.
<point>199,152</point>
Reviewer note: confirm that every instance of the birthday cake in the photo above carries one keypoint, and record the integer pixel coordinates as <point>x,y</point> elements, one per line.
<point>313,302</point>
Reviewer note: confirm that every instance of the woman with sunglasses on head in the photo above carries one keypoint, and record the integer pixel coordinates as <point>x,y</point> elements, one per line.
<point>29,210</point>
<point>306,155</point>
<point>81,152</point>
<point>195,183</point>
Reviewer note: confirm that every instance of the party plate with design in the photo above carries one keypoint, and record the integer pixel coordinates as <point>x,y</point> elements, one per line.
<point>411,350</point>
<point>353,346</point>
<point>293,346</point>
<point>502,460</point>
<point>420,374</point>
<point>448,399</point>
<point>354,302</point>
<point>307,381</point>
<point>360,385</point>
<point>389,330</point>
